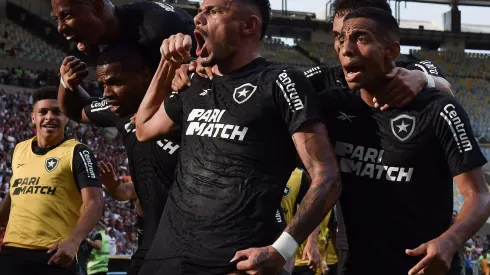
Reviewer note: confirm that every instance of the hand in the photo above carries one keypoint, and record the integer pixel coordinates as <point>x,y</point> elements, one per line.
<point>73,71</point>
<point>324,267</point>
<point>65,253</point>
<point>177,48</point>
<point>264,260</point>
<point>312,253</point>
<point>108,176</point>
<point>403,87</point>
<point>182,79</point>
<point>437,261</point>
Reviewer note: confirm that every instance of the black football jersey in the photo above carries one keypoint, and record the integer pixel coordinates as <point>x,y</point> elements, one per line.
<point>237,155</point>
<point>397,170</point>
<point>147,24</point>
<point>332,78</point>
<point>151,164</point>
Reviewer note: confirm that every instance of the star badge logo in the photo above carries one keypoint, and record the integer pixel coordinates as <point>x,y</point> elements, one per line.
<point>244,92</point>
<point>51,163</point>
<point>287,190</point>
<point>403,126</point>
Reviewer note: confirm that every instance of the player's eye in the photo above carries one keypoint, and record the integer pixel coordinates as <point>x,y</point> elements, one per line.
<point>341,40</point>
<point>213,12</point>
<point>362,39</point>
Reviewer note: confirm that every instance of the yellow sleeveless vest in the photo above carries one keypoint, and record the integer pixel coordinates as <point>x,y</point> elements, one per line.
<point>288,206</point>
<point>46,203</point>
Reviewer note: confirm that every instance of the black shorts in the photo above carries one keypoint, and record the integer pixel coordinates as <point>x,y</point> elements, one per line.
<point>22,261</point>
<point>342,256</point>
<point>303,270</point>
<point>180,266</point>
<point>137,261</point>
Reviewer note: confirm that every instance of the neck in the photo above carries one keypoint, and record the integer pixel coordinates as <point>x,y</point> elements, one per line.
<point>376,88</point>
<point>48,141</point>
<point>240,59</point>
<point>111,24</point>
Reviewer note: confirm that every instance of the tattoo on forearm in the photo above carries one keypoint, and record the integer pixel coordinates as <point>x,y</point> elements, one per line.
<point>320,162</point>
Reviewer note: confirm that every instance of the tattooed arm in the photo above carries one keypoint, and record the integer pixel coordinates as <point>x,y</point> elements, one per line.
<point>317,154</point>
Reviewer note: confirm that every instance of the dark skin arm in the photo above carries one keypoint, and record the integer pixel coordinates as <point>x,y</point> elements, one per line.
<point>5,209</point>
<point>66,250</point>
<point>475,211</point>
<point>75,98</point>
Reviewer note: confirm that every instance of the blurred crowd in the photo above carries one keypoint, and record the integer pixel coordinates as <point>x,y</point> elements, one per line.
<point>15,126</point>
<point>477,255</point>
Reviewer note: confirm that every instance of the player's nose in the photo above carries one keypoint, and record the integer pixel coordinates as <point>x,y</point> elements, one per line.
<point>199,19</point>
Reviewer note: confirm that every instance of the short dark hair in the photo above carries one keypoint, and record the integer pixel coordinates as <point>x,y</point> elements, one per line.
<point>47,92</point>
<point>385,21</point>
<point>265,13</point>
<point>128,54</point>
<point>341,6</point>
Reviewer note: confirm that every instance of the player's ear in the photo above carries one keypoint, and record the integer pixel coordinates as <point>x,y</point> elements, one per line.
<point>32,118</point>
<point>392,50</point>
<point>251,25</point>
<point>98,6</point>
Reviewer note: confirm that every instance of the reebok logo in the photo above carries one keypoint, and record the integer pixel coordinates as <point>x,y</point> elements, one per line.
<point>457,128</point>
<point>344,116</point>
<point>211,127</point>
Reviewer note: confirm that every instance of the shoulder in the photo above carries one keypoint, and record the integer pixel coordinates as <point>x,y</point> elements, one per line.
<point>432,99</point>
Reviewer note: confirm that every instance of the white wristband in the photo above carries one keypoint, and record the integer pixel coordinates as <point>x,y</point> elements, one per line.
<point>430,81</point>
<point>286,245</point>
<point>63,83</point>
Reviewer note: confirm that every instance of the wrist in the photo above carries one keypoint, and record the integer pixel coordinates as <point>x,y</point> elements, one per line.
<point>286,245</point>
<point>431,83</point>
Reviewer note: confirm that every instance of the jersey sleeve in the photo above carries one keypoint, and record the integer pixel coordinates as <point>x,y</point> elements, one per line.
<point>454,134</point>
<point>85,170</point>
<point>317,76</point>
<point>174,107</point>
<point>425,66</point>
<point>99,114</point>
<point>296,99</point>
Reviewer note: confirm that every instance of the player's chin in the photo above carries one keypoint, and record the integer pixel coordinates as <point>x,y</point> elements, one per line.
<point>208,60</point>
<point>354,85</point>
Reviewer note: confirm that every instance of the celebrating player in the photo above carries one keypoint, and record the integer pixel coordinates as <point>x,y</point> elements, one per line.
<point>237,152</point>
<point>55,196</point>
<point>125,77</point>
<point>400,163</point>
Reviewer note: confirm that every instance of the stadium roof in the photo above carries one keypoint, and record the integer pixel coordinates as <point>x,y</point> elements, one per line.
<point>479,3</point>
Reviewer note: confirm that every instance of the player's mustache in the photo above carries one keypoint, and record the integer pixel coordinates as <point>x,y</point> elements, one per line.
<point>203,32</point>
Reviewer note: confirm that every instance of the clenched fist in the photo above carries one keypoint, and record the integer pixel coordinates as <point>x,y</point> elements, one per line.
<point>73,71</point>
<point>177,48</point>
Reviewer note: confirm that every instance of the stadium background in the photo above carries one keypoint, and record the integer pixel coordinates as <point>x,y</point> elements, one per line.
<point>31,51</point>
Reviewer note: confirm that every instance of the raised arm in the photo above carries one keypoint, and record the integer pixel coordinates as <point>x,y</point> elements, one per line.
<point>73,98</point>
<point>152,120</point>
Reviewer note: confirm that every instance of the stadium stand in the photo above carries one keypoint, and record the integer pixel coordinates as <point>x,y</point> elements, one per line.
<point>275,49</point>
<point>20,43</point>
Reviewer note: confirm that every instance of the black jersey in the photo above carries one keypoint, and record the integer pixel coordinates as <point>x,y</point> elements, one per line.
<point>149,23</point>
<point>237,155</point>
<point>326,77</point>
<point>332,78</point>
<point>151,164</point>
<point>397,171</point>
